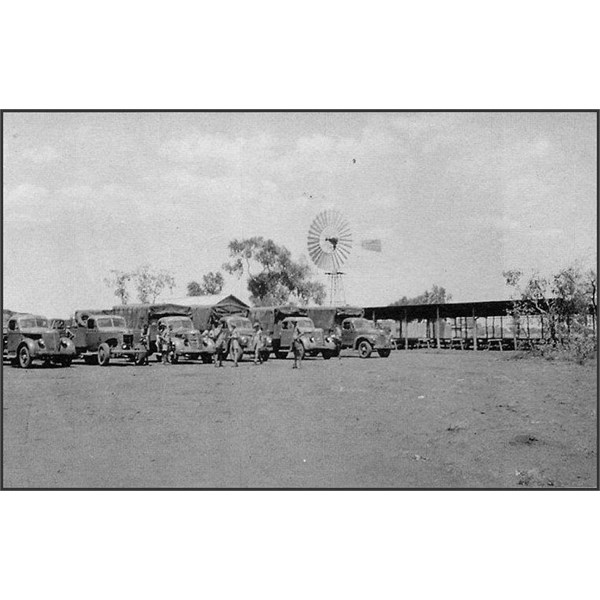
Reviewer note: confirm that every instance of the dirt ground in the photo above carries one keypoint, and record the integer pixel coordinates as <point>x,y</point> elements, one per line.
<point>426,419</point>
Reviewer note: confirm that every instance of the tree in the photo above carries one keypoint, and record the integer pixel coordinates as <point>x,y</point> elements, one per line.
<point>150,284</point>
<point>212,283</point>
<point>119,280</point>
<point>437,295</point>
<point>562,301</point>
<point>273,276</point>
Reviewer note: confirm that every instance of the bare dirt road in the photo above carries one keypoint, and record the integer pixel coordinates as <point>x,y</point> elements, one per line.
<point>417,419</point>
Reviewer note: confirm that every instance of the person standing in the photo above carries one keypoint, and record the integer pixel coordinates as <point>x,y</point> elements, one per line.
<point>162,343</point>
<point>219,335</point>
<point>257,343</point>
<point>145,341</point>
<point>234,345</point>
<point>297,346</point>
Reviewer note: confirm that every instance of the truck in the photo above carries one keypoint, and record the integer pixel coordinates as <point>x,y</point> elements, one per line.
<point>189,341</point>
<point>30,337</point>
<point>102,336</point>
<point>186,342</point>
<point>313,340</point>
<point>360,334</point>
<point>244,328</point>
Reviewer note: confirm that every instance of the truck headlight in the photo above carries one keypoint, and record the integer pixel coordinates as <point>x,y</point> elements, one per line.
<point>41,344</point>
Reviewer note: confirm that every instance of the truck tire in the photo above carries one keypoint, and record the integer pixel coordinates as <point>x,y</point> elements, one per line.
<point>172,358</point>
<point>384,353</point>
<point>103,355</point>
<point>139,358</point>
<point>66,361</point>
<point>24,356</point>
<point>327,354</point>
<point>206,359</point>
<point>264,356</point>
<point>282,354</point>
<point>365,349</point>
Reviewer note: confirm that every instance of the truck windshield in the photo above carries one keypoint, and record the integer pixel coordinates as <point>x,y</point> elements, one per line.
<point>363,324</point>
<point>111,322</point>
<point>241,323</point>
<point>181,324</point>
<point>27,323</point>
<point>305,323</point>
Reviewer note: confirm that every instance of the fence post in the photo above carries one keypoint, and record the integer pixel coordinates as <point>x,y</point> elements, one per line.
<point>437,326</point>
<point>474,330</point>
<point>405,327</point>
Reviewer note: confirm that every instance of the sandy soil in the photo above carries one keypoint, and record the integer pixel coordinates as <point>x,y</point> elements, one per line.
<point>417,419</point>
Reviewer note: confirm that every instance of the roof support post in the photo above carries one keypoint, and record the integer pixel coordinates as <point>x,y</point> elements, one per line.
<point>405,330</point>
<point>437,327</point>
<point>474,330</point>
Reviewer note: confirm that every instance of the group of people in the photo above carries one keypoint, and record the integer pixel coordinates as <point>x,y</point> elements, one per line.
<point>225,342</point>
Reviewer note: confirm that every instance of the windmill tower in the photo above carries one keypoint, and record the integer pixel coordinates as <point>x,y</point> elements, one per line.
<point>329,244</point>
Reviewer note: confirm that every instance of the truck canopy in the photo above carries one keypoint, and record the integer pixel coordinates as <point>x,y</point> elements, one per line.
<point>136,315</point>
<point>267,316</point>
<point>326,317</point>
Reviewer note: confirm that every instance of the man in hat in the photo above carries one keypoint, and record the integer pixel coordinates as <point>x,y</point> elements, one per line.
<point>235,348</point>
<point>297,346</point>
<point>219,335</point>
<point>162,343</point>
<point>257,343</point>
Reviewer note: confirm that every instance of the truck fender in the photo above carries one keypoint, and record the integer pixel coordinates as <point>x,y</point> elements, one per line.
<point>358,340</point>
<point>66,345</point>
<point>30,344</point>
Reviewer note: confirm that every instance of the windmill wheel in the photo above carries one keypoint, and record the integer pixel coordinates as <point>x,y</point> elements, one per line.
<point>329,240</point>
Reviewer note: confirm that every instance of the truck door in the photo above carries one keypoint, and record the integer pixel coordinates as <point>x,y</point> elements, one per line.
<point>13,336</point>
<point>347,333</point>
<point>92,335</point>
<point>286,333</point>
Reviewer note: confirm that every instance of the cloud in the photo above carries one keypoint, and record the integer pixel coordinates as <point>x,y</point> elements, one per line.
<point>41,154</point>
<point>25,203</point>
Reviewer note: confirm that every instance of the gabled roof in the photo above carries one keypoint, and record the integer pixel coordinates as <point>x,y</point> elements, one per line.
<point>214,300</point>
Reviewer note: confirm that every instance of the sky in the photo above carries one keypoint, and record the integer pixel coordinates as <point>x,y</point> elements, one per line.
<point>455,198</point>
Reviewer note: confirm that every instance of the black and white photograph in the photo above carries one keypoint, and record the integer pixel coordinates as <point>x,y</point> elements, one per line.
<point>300,299</point>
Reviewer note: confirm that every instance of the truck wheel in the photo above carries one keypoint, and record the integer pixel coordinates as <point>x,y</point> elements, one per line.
<point>384,353</point>
<point>206,359</point>
<point>66,361</point>
<point>364,349</point>
<point>24,355</point>
<point>265,356</point>
<point>139,358</point>
<point>103,355</point>
<point>327,354</point>
<point>172,358</point>
<point>282,354</point>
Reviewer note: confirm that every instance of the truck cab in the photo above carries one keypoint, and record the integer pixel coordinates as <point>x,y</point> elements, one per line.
<point>360,334</point>
<point>30,337</point>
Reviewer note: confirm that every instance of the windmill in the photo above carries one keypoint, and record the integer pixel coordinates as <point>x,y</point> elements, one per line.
<point>329,244</point>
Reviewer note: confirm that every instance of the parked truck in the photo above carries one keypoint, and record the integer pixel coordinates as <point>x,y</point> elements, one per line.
<point>30,337</point>
<point>245,331</point>
<point>360,334</point>
<point>100,337</point>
